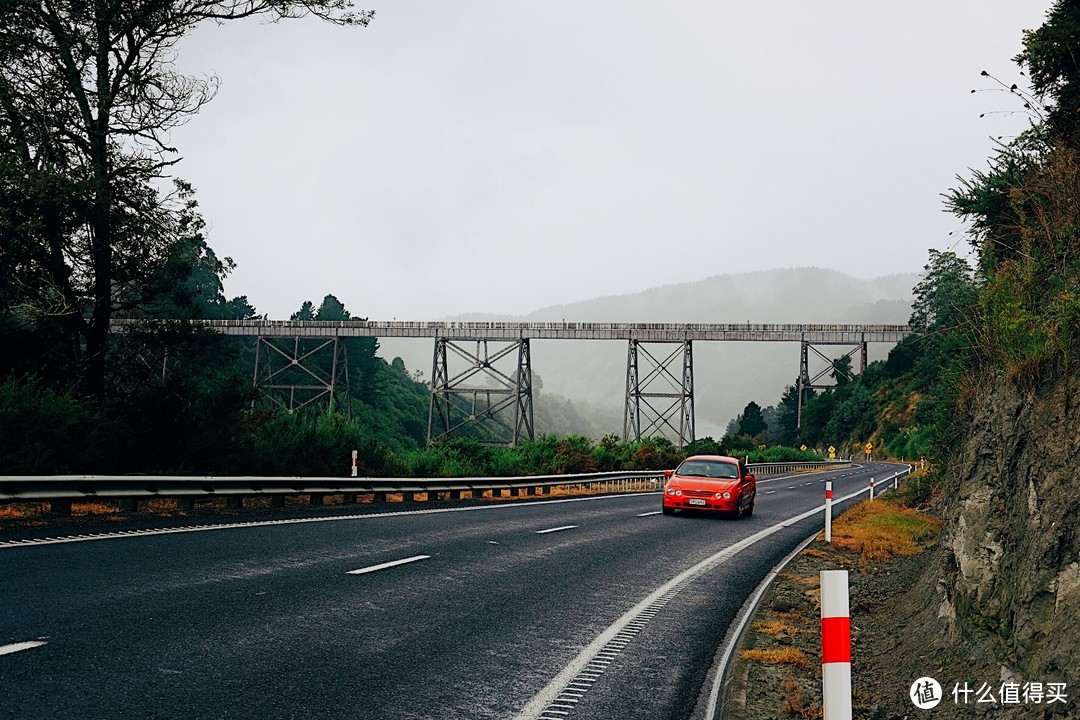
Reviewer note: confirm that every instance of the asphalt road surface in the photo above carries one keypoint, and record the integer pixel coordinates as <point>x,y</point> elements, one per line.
<point>584,608</point>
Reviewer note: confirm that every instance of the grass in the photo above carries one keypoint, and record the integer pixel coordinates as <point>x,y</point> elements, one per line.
<point>775,628</point>
<point>778,656</point>
<point>797,701</point>
<point>880,529</point>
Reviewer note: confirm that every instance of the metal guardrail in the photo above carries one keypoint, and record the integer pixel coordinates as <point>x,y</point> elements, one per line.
<point>61,490</point>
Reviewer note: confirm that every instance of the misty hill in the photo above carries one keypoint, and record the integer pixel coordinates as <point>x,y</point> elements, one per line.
<point>726,375</point>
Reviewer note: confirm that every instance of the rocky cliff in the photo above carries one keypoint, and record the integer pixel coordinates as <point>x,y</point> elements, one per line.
<point>1011,547</point>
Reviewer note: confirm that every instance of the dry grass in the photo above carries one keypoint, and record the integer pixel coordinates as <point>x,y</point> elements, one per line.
<point>815,553</point>
<point>797,701</point>
<point>775,628</point>
<point>810,580</point>
<point>879,530</point>
<point>778,656</point>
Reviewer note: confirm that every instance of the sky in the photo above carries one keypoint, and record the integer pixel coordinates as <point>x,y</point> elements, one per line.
<point>500,157</point>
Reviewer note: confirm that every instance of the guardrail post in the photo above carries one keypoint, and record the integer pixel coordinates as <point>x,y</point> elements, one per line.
<point>235,502</point>
<point>185,503</point>
<point>828,511</point>
<point>60,507</point>
<point>277,501</point>
<point>129,504</point>
<point>318,498</point>
<point>348,499</point>
<point>835,645</point>
<point>379,497</point>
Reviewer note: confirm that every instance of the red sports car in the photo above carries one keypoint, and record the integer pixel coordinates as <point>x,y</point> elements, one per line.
<point>710,482</point>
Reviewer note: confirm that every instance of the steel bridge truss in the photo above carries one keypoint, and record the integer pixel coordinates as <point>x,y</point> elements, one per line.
<point>494,405</point>
<point>806,382</point>
<point>295,373</point>
<point>668,409</point>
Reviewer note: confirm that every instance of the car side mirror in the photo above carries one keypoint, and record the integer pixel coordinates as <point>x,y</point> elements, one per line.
<point>748,477</point>
<point>669,473</point>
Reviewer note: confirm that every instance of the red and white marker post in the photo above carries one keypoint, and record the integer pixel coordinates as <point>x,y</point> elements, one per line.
<point>835,646</point>
<point>871,488</point>
<point>355,462</point>
<point>828,511</point>
<point>895,481</point>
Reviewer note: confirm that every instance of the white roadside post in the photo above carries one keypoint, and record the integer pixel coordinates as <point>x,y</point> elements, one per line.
<point>828,511</point>
<point>871,488</point>
<point>835,646</point>
<point>354,462</point>
<point>895,481</point>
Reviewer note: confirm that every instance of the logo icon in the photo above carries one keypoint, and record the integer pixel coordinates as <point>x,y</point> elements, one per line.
<point>925,693</point>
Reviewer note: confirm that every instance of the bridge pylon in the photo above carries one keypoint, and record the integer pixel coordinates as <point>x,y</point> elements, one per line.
<point>492,404</point>
<point>295,372</point>
<point>668,409</point>
<point>816,382</point>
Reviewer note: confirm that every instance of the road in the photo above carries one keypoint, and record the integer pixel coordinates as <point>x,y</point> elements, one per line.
<point>553,609</point>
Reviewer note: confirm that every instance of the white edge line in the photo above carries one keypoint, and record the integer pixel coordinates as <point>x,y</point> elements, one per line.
<point>539,702</point>
<point>745,613</point>
<point>557,529</point>
<point>654,512</point>
<point>385,565</point>
<point>18,647</point>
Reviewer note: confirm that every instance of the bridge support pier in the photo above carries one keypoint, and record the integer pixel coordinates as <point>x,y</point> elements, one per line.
<point>833,367</point>
<point>669,409</point>
<point>499,411</point>
<point>294,372</point>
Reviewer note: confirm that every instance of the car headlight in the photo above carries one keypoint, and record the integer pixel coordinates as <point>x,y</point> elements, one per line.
<point>727,496</point>
<point>671,491</point>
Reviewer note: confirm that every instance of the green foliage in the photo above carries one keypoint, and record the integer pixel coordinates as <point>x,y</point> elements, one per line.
<point>53,431</point>
<point>779,453</point>
<point>751,421</point>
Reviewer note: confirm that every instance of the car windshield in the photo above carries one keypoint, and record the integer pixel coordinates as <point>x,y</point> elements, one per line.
<point>708,468</point>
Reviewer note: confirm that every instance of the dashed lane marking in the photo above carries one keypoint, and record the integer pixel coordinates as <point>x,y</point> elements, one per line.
<point>20,646</point>
<point>556,529</point>
<point>385,565</point>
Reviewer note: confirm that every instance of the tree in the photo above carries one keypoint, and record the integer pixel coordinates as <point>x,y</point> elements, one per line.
<point>1054,69</point>
<point>88,95</point>
<point>944,296</point>
<point>752,422</point>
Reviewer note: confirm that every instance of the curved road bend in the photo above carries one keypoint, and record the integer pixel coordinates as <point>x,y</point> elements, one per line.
<point>492,611</point>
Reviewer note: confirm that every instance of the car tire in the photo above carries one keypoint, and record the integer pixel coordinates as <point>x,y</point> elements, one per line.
<point>749,509</point>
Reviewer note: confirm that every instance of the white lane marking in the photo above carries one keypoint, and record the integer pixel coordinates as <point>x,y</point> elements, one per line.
<point>654,512</point>
<point>581,671</point>
<point>551,530</point>
<point>769,492</point>
<point>383,566</point>
<point>302,521</point>
<point>20,646</point>
<point>742,618</point>
<point>791,488</point>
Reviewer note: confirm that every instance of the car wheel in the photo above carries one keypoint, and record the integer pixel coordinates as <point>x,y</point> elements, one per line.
<point>669,511</point>
<point>749,509</point>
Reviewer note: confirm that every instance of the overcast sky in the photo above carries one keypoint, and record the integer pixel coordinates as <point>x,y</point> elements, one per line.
<point>504,156</point>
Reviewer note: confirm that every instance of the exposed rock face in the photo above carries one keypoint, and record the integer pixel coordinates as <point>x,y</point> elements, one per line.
<point>1012,544</point>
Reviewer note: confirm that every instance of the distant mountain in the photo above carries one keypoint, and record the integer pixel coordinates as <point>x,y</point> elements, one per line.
<point>726,375</point>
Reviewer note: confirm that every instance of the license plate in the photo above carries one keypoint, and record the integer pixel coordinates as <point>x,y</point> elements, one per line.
<point>697,501</point>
